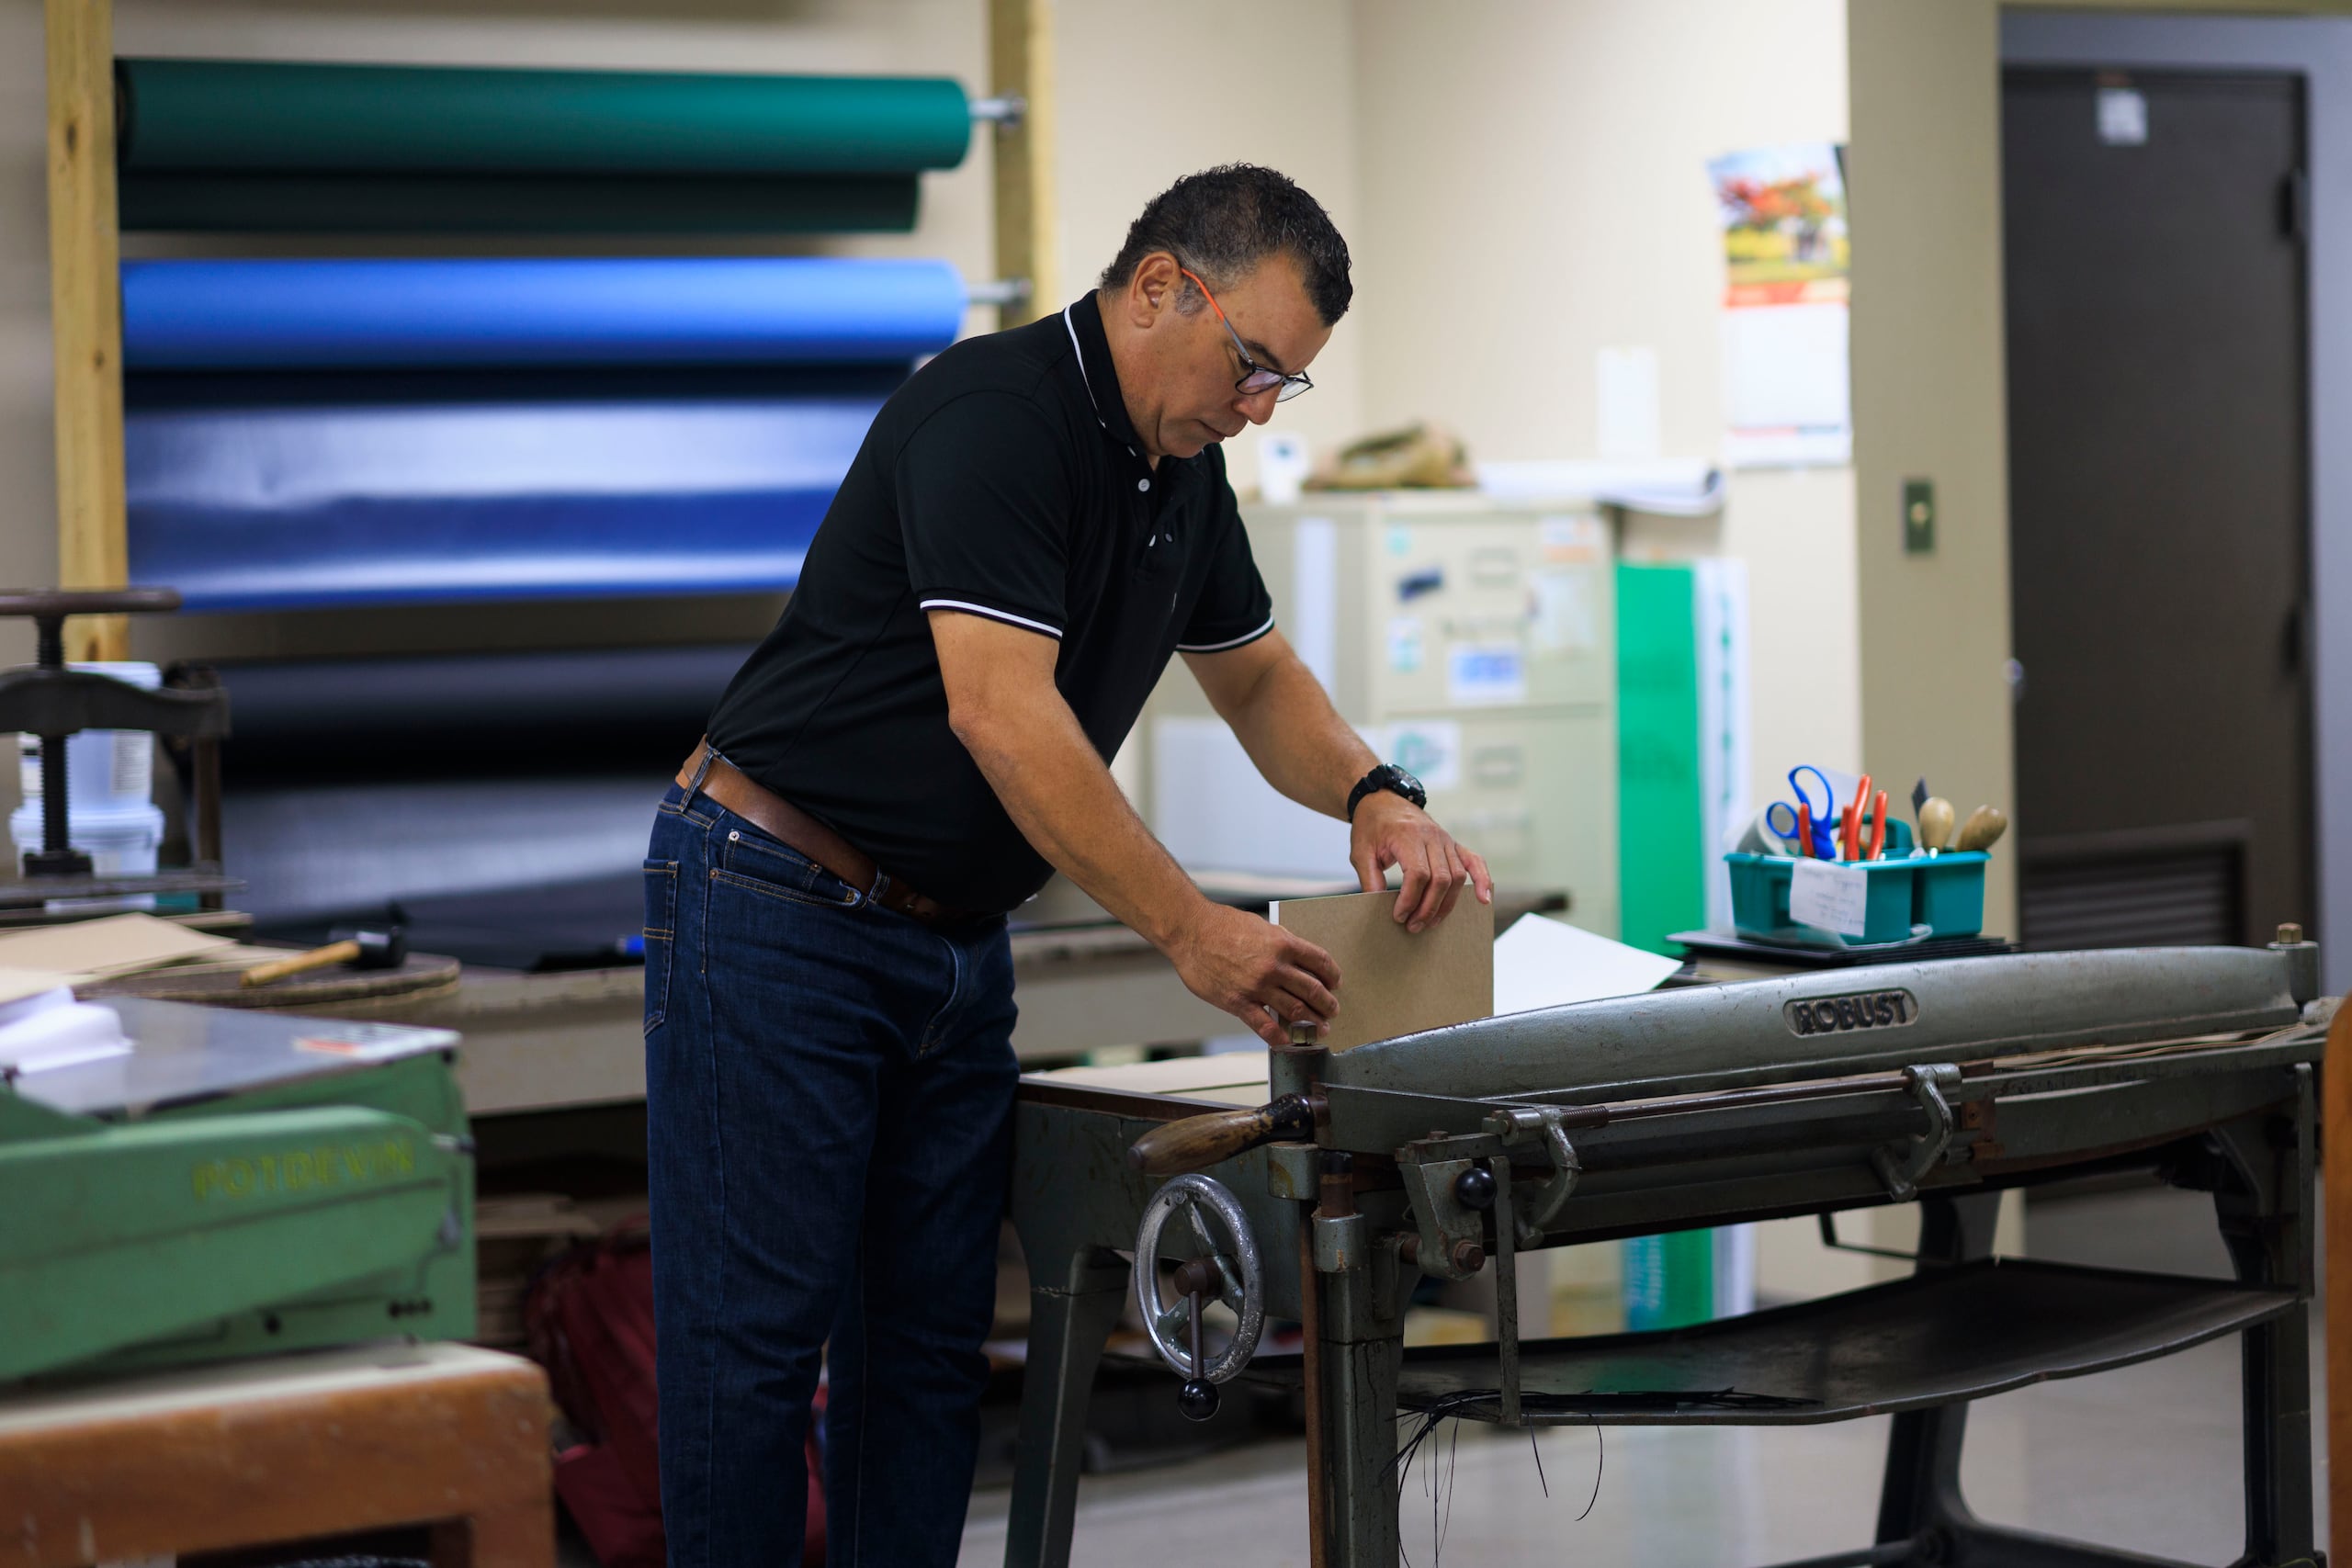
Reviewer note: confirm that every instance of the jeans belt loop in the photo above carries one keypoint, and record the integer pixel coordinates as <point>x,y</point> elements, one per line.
<point>710,755</point>
<point>881,889</point>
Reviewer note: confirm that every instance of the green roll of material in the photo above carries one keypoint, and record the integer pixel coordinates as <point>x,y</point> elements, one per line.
<point>258,116</point>
<point>237,202</point>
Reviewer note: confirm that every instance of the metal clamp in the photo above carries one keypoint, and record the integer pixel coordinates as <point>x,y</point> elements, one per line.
<point>1901,1172</point>
<point>1544,1205</point>
<point>1243,1280</point>
<point>1006,110</point>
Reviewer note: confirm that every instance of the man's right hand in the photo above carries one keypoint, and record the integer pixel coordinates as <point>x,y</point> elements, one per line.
<point>1242,964</point>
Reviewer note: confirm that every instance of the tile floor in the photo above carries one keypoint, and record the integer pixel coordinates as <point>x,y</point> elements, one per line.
<point>2144,1457</point>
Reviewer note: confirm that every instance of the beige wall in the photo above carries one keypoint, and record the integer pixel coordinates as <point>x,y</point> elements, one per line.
<point>1146,95</point>
<point>28,434</point>
<point>1534,190</point>
<point>1930,402</point>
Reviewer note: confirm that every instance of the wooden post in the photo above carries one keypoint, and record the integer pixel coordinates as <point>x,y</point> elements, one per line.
<point>86,316</point>
<point>2336,1183</point>
<point>1020,65</point>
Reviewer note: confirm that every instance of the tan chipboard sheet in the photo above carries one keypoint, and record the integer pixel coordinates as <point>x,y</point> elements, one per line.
<point>15,984</point>
<point>120,944</point>
<point>1392,980</point>
<point>1179,1075</point>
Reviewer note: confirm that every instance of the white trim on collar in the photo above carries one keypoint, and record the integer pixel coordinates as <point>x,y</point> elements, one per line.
<point>1070,327</point>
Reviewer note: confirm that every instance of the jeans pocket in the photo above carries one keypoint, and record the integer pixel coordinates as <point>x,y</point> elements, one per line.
<point>757,863</point>
<point>661,938</point>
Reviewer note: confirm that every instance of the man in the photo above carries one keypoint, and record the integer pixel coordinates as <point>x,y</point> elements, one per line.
<point>1037,520</point>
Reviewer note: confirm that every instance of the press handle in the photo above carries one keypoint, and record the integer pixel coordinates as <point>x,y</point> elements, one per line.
<point>1196,1143</point>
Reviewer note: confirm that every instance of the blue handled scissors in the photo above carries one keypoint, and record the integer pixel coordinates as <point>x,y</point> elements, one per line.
<point>1823,815</point>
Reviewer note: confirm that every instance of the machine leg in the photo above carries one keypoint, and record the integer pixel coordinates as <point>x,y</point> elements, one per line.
<point>1359,1388</point>
<point>2266,1225</point>
<point>1069,1320</point>
<point>1921,1492</point>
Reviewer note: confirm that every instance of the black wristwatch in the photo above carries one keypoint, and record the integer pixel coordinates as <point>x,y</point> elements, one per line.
<point>1390,777</point>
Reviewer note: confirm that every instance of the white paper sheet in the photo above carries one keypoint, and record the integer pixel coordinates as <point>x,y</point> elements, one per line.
<point>49,1030</point>
<point>1542,962</point>
<point>1834,897</point>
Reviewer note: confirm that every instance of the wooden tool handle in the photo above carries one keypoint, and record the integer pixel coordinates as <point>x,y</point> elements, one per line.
<point>1983,827</point>
<point>1198,1142</point>
<point>301,963</point>
<point>1935,824</point>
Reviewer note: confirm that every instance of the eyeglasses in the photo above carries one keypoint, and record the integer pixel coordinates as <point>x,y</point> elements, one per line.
<point>1255,377</point>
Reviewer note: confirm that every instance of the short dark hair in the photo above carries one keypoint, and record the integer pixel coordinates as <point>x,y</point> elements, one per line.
<point>1223,222</point>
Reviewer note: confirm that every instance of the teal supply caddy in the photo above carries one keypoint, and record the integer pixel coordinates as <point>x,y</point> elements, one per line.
<point>1910,895</point>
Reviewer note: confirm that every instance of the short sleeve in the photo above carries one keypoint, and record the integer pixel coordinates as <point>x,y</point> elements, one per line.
<point>1234,607</point>
<point>984,497</point>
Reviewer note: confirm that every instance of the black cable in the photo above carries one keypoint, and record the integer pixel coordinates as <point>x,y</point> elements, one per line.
<point>1598,1466</point>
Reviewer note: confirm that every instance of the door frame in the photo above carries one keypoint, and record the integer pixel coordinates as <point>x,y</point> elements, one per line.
<point>2319,50</point>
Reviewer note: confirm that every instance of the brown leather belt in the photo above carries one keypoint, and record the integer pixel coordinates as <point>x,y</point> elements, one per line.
<point>787,824</point>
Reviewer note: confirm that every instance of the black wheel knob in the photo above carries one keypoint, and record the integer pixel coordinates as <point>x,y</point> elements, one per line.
<point>1474,1189</point>
<point>1197,1399</point>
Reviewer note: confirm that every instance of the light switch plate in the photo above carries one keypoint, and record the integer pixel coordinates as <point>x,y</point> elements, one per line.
<point>1918,517</point>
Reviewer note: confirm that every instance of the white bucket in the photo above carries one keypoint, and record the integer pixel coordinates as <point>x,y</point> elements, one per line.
<point>119,843</point>
<point>106,770</point>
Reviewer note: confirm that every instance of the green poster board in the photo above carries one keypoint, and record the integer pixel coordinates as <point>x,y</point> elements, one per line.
<point>1661,858</point>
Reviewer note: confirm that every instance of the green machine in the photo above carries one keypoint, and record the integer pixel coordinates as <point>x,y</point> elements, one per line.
<point>235,1183</point>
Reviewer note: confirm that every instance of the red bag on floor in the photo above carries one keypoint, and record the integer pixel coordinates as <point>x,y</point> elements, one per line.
<point>589,1318</point>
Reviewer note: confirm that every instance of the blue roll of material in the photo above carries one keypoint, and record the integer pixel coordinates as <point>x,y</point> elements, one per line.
<point>289,314</point>
<point>291,503</point>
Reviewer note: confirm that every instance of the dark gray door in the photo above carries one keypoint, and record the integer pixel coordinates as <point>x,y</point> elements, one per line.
<point>2158,503</point>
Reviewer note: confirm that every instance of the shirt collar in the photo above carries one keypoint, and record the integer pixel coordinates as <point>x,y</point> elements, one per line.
<point>1082,319</point>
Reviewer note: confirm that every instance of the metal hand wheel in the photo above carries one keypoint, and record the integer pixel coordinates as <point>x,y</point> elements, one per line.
<point>1230,1274</point>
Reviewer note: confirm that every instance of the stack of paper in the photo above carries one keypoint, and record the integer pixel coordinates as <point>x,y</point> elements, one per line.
<point>120,944</point>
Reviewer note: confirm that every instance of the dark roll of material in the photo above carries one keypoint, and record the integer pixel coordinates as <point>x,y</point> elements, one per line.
<point>219,114</point>
<point>465,716</point>
<point>251,202</point>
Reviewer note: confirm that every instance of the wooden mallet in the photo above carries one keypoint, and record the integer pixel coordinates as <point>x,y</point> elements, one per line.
<point>360,949</point>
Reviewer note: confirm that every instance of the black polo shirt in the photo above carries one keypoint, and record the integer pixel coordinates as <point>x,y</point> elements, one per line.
<point>1004,480</point>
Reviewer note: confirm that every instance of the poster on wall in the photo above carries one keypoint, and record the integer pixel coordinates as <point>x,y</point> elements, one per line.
<point>1787,395</point>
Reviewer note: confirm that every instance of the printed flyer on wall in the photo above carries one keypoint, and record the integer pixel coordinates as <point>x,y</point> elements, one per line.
<point>1787,394</point>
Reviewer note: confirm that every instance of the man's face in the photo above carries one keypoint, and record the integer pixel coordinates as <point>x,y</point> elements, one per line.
<point>1185,398</point>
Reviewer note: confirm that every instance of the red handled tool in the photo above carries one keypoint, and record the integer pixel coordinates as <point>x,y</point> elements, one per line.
<point>1853,817</point>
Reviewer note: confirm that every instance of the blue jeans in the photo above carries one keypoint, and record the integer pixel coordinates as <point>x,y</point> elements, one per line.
<point>829,1100</point>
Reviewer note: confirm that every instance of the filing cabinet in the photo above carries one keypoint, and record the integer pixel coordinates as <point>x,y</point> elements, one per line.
<point>1472,642</point>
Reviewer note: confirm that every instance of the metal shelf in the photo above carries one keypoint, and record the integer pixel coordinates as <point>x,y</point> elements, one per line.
<point>1944,1336</point>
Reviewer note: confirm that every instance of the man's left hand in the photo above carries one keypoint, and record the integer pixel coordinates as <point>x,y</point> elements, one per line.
<point>1391,830</point>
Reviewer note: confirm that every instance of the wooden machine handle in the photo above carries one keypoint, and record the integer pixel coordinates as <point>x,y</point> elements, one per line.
<point>1198,1142</point>
<point>317,958</point>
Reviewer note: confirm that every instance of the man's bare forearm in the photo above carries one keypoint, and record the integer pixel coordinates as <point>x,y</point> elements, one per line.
<point>1058,791</point>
